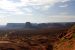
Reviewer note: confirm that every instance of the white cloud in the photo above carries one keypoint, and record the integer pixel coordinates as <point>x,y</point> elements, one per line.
<point>66,5</point>
<point>3,20</point>
<point>24,2</point>
<point>65,0</point>
<point>45,7</point>
<point>4,4</point>
<point>10,6</point>
<point>64,13</point>
<point>28,10</point>
<point>19,13</point>
<point>61,18</point>
<point>42,2</point>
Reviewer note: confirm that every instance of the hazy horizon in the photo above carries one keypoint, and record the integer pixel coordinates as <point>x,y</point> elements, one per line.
<point>33,23</point>
<point>36,11</point>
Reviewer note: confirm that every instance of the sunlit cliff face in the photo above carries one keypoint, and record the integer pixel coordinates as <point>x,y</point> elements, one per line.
<point>36,11</point>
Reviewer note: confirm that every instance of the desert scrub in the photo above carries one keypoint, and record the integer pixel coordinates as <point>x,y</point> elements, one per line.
<point>64,40</point>
<point>70,46</point>
<point>73,35</point>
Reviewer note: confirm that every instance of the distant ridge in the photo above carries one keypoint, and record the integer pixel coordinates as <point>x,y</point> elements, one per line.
<point>29,25</point>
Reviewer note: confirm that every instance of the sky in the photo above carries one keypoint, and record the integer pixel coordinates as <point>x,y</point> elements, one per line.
<point>36,11</point>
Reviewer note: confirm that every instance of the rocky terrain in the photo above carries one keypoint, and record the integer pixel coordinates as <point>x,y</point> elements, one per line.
<point>67,42</point>
<point>42,39</point>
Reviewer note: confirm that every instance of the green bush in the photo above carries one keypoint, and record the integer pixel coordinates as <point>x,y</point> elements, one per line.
<point>73,35</point>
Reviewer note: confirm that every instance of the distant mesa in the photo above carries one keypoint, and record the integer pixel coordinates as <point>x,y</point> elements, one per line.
<point>29,25</point>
